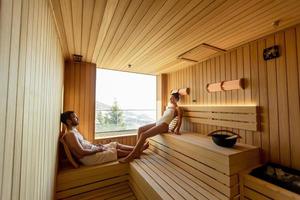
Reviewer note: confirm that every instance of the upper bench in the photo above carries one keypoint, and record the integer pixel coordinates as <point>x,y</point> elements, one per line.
<point>227,160</point>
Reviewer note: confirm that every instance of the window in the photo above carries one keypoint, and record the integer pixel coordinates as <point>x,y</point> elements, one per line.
<point>124,102</point>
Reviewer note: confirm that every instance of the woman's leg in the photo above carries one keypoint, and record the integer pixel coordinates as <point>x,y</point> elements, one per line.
<point>144,128</point>
<point>149,133</point>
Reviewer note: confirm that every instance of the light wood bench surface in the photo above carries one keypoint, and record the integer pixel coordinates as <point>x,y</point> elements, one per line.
<point>190,167</point>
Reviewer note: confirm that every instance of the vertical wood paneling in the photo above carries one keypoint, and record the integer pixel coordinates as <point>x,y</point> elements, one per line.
<point>241,93</point>
<point>30,91</point>
<point>293,94</point>
<point>273,108</point>
<point>273,85</point>
<point>283,116</point>
<point>228,76</point>
<point>127,140</point>
<point>162,90</point>
<point>263,101</point>
<point>254,89</point>
<point>79,95</point>
<point>223,77</point>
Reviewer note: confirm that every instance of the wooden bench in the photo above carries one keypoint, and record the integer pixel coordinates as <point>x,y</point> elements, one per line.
<point>190,166</point>
<point>257,189</point>
<point>91,180</point>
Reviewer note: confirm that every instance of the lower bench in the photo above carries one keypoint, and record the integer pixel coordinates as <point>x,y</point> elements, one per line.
<point>116,191</point>
<point>90,180</point>
<point>257,189</point>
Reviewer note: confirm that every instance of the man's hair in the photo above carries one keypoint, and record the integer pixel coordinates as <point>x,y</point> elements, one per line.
<point>65,116</point>
<point>176,95</point>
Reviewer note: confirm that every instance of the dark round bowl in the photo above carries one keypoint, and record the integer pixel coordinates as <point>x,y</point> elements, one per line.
<point>221,140</point>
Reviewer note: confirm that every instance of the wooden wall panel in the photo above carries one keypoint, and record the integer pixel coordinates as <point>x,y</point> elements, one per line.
<point>31,75</point>
<point>128,140</point>
<point>80,95</point>
<point>161,90</point>
<point>273,85</point>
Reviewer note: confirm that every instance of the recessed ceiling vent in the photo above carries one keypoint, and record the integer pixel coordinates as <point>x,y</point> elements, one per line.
<point>200,52</point>
<point>77,58</point>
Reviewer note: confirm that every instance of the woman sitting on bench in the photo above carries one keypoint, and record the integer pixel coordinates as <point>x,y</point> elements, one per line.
<point>161,126</point>
<point>88,153</point>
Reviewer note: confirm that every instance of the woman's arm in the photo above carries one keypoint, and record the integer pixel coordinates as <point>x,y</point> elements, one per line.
<point>77,148</point>
<point>178,125</point>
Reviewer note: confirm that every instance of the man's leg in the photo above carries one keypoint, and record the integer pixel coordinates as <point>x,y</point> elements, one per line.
<point>149,133</point>
<point>122,153</point>
<point>130,148</point>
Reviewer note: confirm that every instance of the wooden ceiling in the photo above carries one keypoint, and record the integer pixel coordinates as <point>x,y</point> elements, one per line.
<point>151,34</point>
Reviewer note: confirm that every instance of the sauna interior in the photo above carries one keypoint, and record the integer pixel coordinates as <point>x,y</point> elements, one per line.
<point>236,61</point>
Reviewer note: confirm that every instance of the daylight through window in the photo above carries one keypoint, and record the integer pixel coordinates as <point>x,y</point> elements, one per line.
<point>124,102</point>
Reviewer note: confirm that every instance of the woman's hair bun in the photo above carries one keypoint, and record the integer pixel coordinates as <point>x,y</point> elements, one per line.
<point>176,95</point>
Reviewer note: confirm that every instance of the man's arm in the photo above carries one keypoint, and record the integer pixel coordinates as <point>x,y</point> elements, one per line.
<point>77,148</point>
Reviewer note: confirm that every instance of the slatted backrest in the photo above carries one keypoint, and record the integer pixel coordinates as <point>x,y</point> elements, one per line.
<point>239,117</point>
<point>68,152</point>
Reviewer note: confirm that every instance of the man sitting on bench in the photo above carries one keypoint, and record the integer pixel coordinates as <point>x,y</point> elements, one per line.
<point>86,152</point>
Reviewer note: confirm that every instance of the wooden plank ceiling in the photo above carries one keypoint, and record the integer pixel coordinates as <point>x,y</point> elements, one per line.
<point>151,34</point>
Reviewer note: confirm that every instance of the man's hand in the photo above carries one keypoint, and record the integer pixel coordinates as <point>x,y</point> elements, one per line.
<point>101,148</point>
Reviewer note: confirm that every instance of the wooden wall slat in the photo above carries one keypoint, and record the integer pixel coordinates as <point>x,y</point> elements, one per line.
<point>273,108</point>
<point>283,116</point>
<point>80,95</point>
<point>5,38</point>
<point>254,137</point>
<point>241,93</point>
<point>11,101</point>
<point>273,85</point>
<point>20,104</point>
<point>30,99</point>
<point>263,101</point>
<point>228,76</point>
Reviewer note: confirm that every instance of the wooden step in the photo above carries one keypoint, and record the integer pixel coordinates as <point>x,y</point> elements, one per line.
<point>168,181</point>
<point>201,148</point>
<point>192,164</point>
<point>202,181</point>
<point>72,182</point>
<point>90,187</point>
<point>112,192</point>
<point>136,189</point>
<point>257,189</point>
<point>203,169</point>
<point>84,175</point>
<point>142,181</point>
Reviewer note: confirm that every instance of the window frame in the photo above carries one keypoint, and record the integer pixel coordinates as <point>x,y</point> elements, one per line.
<point>128,133</point>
